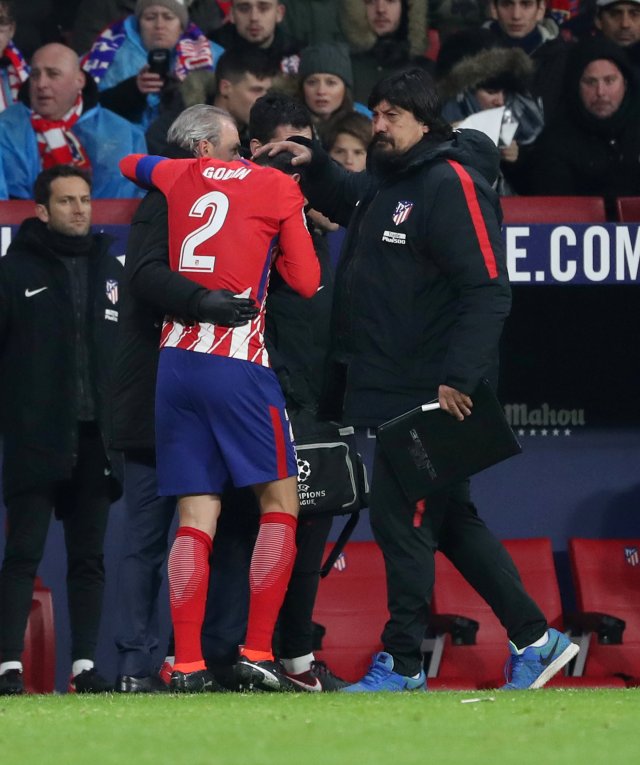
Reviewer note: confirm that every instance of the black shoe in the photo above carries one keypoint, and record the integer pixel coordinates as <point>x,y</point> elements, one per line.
<point>316,679</point>
<point>89,681</point>
<point>11,683</point>
<point>328,680</point>
<point>262,676</point>
<point>200,681</point>
<point>147,684</point>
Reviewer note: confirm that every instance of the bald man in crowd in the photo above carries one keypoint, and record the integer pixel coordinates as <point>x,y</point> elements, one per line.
<point>58,121</point>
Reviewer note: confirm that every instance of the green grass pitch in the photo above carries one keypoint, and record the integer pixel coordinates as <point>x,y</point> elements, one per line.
<point>531,727</point>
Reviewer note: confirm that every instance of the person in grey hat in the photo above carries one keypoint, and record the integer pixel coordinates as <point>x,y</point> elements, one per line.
<point>92,17</point>
<point>326,84</point>
<point>134,58</point>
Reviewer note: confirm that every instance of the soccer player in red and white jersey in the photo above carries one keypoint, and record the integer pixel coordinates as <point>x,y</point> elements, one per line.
<point>220,413</point>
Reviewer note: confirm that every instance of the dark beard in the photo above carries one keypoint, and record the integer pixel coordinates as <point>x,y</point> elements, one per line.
<point>384,162</point>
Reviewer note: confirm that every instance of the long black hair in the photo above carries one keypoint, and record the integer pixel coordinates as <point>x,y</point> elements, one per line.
<point>414,90</point>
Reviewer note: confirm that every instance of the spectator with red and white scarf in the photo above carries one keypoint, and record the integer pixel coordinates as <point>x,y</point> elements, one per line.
<point>58,121</point>
<point>118,59</point>
<point>14,70</point>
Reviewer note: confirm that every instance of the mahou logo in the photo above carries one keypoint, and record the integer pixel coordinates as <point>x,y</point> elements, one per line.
<point>543,420</point>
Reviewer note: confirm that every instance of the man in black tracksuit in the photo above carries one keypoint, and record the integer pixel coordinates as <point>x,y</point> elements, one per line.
<point>58,318</point>
<point>421,296</point>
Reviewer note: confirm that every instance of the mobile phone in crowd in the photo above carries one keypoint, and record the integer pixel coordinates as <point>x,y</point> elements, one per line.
<point>158,60</point>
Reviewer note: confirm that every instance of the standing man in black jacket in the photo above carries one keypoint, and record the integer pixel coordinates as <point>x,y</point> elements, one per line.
<point>421,296</point>
<point>58,318</point>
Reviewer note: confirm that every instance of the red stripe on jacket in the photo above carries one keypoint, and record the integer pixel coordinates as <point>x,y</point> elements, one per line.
<point>479,225</point>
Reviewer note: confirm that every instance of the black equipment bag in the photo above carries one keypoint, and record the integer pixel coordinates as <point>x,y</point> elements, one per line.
<point>331,475</point>
<point>332,479</point>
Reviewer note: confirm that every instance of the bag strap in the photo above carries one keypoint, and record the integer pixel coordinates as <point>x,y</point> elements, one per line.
<point>340,543</point>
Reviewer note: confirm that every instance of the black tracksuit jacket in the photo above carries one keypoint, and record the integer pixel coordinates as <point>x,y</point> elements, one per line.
<point>39,398</point>
<point>422,301</point>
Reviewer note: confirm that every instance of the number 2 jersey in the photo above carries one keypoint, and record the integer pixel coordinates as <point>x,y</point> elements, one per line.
<point>229,222</point>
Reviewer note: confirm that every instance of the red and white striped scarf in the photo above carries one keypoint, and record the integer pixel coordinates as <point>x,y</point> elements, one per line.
<point>17,72</point>
<point>56,143</point>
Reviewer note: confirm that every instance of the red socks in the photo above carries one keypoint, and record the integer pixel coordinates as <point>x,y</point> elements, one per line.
<point>188,585</point>
<point>269,576</point>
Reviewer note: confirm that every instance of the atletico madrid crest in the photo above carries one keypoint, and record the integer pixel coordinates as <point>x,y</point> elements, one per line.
<point>402,212</point>
<point>631,556</point>
<point>111,290</point>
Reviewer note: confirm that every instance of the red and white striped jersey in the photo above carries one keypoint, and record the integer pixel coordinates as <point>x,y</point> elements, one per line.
<point>229,222</point>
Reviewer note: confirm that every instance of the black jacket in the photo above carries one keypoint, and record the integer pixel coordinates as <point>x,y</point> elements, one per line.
<point>149,290</point>
<point>282,47</point>
<point>39,397</point>
<point>297,333</point>
<point>420,302</point>
<point>581,154</point>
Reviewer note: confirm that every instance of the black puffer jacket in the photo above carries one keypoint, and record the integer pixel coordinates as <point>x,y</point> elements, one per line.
<point>422,290</point>
<point>39,397</point>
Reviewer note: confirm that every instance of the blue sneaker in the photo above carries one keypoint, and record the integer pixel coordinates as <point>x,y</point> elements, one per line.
<point>536,666</point>
<point>381,677</point>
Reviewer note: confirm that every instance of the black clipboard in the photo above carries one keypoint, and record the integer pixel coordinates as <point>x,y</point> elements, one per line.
<point>430,450</point>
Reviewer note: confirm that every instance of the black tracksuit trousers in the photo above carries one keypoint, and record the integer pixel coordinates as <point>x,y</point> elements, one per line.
<point>82,503</point>
<point>409,541</point>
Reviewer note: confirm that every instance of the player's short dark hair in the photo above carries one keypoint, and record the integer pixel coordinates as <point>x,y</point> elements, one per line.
<point>42,186</point>
<point>280,161</point>
<point>275,109</point>
<point>414,90</point>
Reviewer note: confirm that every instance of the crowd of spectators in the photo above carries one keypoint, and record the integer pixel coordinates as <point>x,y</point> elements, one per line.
<point>145,60</point>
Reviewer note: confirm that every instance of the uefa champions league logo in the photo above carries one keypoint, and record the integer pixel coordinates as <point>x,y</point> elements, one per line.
<point>304,473</point>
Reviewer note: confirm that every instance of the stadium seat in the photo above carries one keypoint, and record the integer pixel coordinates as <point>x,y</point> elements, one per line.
<point>457,663</point>
<point>553,210</point>
<point>104,211</point>
<point>352,607</point>
<point>39,655</point>
<point>628,209</point>
<point>606,575</point>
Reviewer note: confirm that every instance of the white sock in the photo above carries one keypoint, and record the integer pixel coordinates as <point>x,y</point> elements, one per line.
<point>298,664</point>
<point>5,666</point>
<point>79,665</point>
<point>540,642</point>
<point>171,660</point>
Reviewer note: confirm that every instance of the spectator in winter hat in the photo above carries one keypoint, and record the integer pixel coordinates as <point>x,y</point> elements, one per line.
<point>326,82</point>
<point>592,148</point>
<point>118,59</point>
<point>475,74</point>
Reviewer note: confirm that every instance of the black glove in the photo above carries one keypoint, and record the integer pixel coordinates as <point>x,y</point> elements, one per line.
<point>224,308</point>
